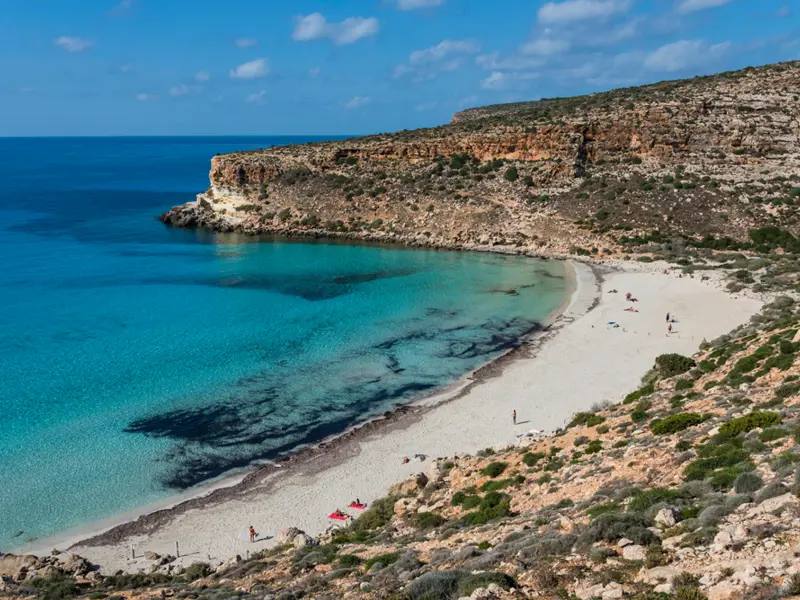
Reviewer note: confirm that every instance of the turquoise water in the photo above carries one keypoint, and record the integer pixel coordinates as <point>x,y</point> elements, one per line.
<point>139,361</point>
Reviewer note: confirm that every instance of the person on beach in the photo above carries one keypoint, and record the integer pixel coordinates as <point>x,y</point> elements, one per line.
<point>667,317</point>
<point>252,535</point>
<point>514,416</point>
<point>669,329</point>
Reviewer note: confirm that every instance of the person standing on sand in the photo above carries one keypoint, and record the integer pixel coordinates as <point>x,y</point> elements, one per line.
<point>514,416</point>
<point>252,535</point>
<point>667,317</point>
<point>669,329</point>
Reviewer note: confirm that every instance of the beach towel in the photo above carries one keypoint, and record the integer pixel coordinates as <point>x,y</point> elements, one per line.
<point>333,515</point>
<point>358,506</point>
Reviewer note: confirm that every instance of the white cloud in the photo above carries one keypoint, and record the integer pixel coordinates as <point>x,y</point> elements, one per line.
<point>27,90</point>
<point>315,27</point>
<point>202,76</point>
<point>505,81</point>
<point>689,6</point>
<point>246,42</point>
<point>125,68</point>
<point>145,97</point>
<point>442,50</point>
<point>447,55</point>
<point>314,72</point>
<point>425,106</point>
<point>468,100</point>
<point>494,62</point>
<point>257,98</point>
<point>358,101</point>
<point>179,90</point>
<point>684,54</point>
<point>73,44</point>
<point>251,70</point>
<point>415,4</point>
<point>570,11</point>
<point>545,46</point>
<point>783,11</point>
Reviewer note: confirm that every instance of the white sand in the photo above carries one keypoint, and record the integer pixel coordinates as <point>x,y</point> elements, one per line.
<point>585,362</point>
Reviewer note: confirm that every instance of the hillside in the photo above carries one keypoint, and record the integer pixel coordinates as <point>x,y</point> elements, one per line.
<point>711,157</point>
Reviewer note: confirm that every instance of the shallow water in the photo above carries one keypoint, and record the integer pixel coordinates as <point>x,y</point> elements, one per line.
<point>139,361</point>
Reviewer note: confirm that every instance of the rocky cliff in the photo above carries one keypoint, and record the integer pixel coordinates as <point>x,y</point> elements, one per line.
<point>714,156</point>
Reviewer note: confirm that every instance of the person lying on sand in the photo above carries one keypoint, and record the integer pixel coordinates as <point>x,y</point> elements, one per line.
<point>631,309</point>
<point>420,457</point>
<point>406,460</point>
<point>339,513</point>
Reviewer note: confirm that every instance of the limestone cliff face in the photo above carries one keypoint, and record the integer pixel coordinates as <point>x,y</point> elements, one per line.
<point>513,174</point>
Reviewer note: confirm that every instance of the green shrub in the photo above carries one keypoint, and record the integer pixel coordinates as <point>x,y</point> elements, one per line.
<point>54,587</point>
<point>684,384</point>
<point>669,365</point>
<point>642,500</point>
<point>772,433</point>
<point>429,520</point>
<point>385,559</point>
<point>494,505</point>
<point>601,509</point>
<point>593,447</point>
<point>494,469</point>
<point>675,423</point>
<point>511,174</point>
<point>751,421</point>
<point>640,393</point>
<point>197,570</point>
<point>747,483</point>
<point>379,513</point>
<point>349,560</point>
<point>435,585</point>
<point>683,446</point>
<point>531,458</point>
<point>611,527</point>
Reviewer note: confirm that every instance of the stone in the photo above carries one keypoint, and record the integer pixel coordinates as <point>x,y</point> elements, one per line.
<point>664,588</point>
<point>421,480</point>
<point>302,540</point>
<point>624,542</point>
<point>771,504</point>
<point>722,540</point>
<point>287,535</point>
<point>634,552</point>
<point>150,555</point>
<point>667,517</point>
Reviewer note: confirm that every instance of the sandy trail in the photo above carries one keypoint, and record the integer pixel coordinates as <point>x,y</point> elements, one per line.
<point>585,361</point>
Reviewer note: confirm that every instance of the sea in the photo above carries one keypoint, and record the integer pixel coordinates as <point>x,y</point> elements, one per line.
<point>139,362</point>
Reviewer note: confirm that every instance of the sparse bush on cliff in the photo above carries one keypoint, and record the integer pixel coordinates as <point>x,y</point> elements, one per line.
<point>511,174</point>
<point>675,423</point>
<point>747,423</point>
<point>494,469</point>
<point>669,365</point>
<point>747,483</point>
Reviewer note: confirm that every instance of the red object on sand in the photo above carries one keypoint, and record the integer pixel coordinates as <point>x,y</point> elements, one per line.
<point>337,516</point>
<point>358,506</point>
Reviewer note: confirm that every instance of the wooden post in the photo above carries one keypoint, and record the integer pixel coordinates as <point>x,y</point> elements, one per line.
<point>177,550</point>
<point>133,552</point>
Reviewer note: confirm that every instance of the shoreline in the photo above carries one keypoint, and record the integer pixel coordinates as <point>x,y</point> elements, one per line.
<point>576,360</point>
<point>151,517</point>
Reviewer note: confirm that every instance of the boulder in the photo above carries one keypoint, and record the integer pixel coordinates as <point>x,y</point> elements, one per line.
<point>76,565</point>
<point>634,552</point>
<point>771,504</point>
<point>12,565</point>
<point>287,536</point>
<point>624,542</point>
<point>664,588</point>
<point>421,481</point>
<point>149,555</point>
<point>667,517</point>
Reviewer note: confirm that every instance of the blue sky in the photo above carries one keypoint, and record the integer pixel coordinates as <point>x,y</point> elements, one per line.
<point>212,67</point>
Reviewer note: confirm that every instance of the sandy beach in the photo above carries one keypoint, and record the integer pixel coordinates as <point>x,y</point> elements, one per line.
<point>579,361</point>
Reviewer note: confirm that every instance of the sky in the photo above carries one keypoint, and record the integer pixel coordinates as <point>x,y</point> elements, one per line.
<point>269,67</point>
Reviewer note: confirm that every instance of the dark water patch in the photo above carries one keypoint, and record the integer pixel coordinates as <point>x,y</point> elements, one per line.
<point>213,440</point>
<point>357,278</point>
